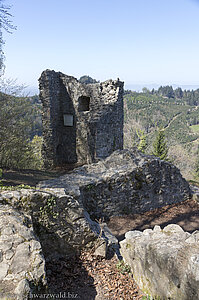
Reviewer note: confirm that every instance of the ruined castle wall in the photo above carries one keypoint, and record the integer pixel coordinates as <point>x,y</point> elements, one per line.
<point>127,182</point>
<point>109,135</point>
<point>49,98</point>
<point>94,113</point>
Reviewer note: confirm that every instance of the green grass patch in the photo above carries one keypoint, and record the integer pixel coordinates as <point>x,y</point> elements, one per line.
<point>195,128</point>
<point>123,267</point>
<point>194,182</point>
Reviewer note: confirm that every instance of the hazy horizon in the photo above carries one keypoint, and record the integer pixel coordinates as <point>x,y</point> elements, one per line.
<point>141,42</point>
<point>31,91</point>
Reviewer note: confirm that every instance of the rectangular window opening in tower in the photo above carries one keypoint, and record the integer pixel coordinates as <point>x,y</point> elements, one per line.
<point>84,103</point>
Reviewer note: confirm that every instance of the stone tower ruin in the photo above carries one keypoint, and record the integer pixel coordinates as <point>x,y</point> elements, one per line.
<point>82,123</point>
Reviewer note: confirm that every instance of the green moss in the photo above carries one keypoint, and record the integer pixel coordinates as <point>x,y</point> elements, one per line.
<point>14,188</point>
<point>26,203</point>
<point>146,288</point>
<point>128,246</point>
<point>169,233</point>
<point>48,210</point>
<point>89,187</point>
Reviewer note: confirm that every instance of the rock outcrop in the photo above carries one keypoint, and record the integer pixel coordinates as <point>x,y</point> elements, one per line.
<point>59,220</point>
<point>63,228</point>
<point>164,263</point>
<point>124,183</point>
<point>63,212</point>
<point>22,265</point>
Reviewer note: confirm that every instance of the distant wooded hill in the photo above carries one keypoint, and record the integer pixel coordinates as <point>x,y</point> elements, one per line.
<point>176,111</point>
<point>176,115</point>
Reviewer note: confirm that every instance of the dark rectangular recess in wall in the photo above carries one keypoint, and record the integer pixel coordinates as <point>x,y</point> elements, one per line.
<point>83,103</point>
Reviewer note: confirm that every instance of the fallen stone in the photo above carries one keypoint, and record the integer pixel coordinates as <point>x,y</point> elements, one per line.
<point>101,249</point>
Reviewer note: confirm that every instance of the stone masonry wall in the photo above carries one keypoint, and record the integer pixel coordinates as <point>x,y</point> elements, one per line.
<point>126,182</point>
<point>97,112</point>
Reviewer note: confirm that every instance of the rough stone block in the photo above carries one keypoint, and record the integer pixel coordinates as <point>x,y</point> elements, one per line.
<point>164,263</point>
<point>22,266</point>
<point>118,185</point>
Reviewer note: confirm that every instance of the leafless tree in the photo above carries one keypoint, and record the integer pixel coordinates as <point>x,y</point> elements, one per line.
<point>5,18</point>
<point>6,24</point>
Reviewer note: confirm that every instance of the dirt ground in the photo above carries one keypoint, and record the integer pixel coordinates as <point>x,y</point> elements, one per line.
<point>91,278</point>
<point>30,177</point>
<point>98,278</point>
<point>185,214</point>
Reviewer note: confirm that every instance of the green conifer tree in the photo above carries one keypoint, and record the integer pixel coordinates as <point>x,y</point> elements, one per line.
<point>142,140</point>
<point>160,148</point>
<point>196,169</point>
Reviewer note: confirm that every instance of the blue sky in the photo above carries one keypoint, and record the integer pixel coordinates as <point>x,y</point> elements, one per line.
<point>142,42</point>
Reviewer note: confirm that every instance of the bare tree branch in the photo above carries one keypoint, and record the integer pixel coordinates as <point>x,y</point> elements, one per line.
<point>5,18</point>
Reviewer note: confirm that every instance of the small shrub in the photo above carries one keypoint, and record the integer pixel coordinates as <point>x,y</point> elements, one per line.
<point>122,267</point>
